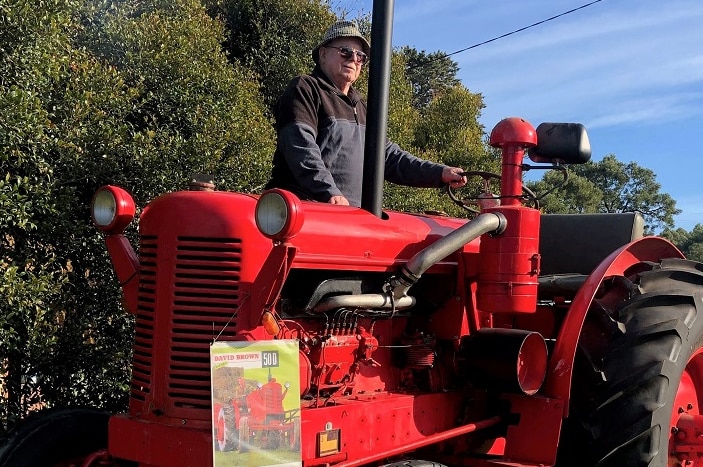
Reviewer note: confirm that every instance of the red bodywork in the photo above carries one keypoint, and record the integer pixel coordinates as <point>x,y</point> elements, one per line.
<point>391,384</point>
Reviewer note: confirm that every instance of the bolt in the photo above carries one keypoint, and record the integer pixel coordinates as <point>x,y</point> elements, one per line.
<point>681,410</point>
<point>674,430</point>
<point>689,406</point>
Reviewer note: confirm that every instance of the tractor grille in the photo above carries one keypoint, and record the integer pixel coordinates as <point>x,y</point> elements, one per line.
<point>144,326</point>
<point>206,298</point>
<point>204,303</point>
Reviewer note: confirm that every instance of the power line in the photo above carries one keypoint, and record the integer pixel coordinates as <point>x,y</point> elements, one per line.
<point>508,33</point>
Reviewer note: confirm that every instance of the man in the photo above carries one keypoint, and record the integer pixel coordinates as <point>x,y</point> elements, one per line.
<point>321,126</point>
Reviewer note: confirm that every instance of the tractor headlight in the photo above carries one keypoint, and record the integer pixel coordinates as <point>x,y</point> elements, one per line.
<point>112,209</point>
<point>279,214</point>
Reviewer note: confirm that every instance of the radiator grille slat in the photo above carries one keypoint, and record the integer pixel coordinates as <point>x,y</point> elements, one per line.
<point>144,325</point>
<point>206,298</point>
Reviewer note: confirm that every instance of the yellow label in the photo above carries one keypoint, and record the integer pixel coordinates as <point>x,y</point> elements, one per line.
<point>329,442</point>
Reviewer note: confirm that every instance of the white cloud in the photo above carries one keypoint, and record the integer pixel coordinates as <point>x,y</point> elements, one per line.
<point>612,68</point>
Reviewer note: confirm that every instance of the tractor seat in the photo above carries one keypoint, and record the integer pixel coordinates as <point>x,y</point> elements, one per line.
<point>572,245</point>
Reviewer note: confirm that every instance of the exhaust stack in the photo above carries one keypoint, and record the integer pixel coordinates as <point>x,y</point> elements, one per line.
<point>377,118</point>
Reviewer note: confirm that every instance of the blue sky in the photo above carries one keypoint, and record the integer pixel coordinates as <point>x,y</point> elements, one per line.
<point>630,70</point>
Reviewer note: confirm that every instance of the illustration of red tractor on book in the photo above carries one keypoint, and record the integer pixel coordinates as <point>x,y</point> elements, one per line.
<point>254,417</point>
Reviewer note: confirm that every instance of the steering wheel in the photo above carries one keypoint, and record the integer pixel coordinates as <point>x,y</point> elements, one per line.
<point>487,198</point>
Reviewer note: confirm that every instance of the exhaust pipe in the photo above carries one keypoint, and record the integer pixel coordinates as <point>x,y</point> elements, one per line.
<point>494,222</point>
<point>377,117</point>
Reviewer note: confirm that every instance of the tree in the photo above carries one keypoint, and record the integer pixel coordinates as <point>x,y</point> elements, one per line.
<point>430,74</point>
<point>134,93</point>
<point>403,118</point>
<point>444,129</point>
<point>35,201</point>
<point>610,186</point>
<point>450,126</point>
<point>274,39</point>
<point>191,102</point>
<point>578,196</point>
<point>690,243</point>
<point>449,132</point>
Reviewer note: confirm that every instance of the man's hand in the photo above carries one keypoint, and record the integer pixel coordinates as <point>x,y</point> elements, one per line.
<point>341,200</point>
<point>454,176</point>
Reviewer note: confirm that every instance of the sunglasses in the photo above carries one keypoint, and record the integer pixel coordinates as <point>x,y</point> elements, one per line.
<point>347,53</point>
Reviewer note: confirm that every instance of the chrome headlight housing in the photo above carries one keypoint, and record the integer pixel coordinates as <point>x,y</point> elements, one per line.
<point>112,209</point>
<point>279,214</point>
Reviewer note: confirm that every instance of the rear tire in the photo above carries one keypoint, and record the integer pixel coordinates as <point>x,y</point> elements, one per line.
<point>54,436</point>
<point>641,337</point>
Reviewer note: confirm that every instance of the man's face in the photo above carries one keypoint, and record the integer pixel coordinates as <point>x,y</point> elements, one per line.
<point>342,70</point>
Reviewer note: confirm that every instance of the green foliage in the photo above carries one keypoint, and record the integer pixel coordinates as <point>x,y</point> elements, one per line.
<point>690,243</point>
<point>190,101</point>
<point>450,127</point>
<point>274,39</point>
<point>610,186</point>
<point>138,94</point>
<point>430,74</point>
<point>446,131</point>
<point>402,117</point>
<point>579,196</point>
<point>39,286</point>
<point>27,330</point>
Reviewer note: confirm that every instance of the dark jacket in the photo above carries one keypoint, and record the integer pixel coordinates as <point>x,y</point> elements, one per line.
<point>320,148</point>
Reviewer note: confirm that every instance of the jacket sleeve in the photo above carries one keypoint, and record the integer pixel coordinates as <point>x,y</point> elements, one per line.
<point>297,124</point>
<point>403,168</point>
<point>296,141</point>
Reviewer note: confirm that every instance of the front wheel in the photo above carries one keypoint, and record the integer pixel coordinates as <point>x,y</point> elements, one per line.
<point>56,437</point>
<point>638,376</point>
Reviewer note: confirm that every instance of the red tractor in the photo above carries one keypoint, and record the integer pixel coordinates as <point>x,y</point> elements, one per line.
<point>511,339</point>
<point>267,424</point>
<point>258,420</point>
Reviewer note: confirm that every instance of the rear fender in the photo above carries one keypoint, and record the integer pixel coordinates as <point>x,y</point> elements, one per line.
<point>558,380</point>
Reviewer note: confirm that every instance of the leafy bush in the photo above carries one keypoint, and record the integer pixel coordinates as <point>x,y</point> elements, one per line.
<point>139,94</point>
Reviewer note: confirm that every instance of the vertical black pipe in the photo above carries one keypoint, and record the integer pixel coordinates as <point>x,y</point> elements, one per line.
<point>377,118</point>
